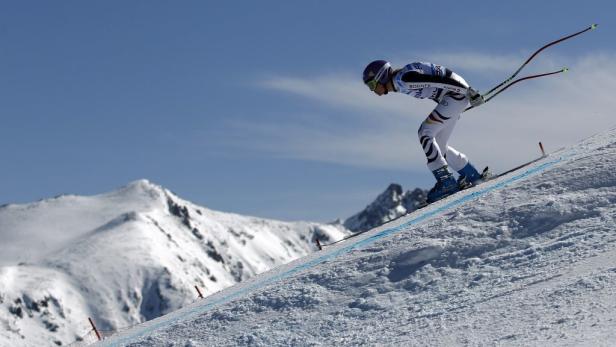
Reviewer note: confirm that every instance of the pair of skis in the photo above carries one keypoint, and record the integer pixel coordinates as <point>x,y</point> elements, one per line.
<point>489,95</point>
<point>490,178</point>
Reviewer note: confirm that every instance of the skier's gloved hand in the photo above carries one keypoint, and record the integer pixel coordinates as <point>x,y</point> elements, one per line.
<point>474,97</point>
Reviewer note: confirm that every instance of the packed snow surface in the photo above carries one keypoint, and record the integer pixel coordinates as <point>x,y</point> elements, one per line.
<point>527,259</point>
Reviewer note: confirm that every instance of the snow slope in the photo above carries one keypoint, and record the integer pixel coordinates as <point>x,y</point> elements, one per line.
<point>528,259</point>
<point>126,257</point>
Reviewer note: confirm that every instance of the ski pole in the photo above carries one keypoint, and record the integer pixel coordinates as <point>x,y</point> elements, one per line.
<point>592,27</point>
<point>507,83</point>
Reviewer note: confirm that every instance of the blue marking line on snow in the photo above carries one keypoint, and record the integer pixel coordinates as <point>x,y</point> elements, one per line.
<point>148,329</point>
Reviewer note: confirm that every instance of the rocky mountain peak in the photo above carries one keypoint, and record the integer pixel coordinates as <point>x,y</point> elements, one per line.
<point>389,205</point>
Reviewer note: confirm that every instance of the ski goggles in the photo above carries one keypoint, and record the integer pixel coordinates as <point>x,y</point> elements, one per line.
<point>372,84</point>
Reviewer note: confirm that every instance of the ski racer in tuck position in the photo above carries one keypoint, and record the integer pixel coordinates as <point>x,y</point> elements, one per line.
<point>452,94</point>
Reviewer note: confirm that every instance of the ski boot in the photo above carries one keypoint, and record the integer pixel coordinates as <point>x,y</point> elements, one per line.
<point>445,185</point>
<point>469,176</point>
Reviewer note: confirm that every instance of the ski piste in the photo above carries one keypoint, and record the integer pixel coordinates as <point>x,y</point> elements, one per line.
<point>510,80</point>
<point>488,179</point>
<point>370,237</point>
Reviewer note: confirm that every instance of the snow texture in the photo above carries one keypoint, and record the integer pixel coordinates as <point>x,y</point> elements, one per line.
<point>528,259</point>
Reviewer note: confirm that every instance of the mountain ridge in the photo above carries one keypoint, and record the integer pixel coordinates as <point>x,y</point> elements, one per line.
<point>389,205</point>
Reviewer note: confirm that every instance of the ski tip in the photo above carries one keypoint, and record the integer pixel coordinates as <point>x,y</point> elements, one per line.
<point>565,69</point>
<point>594,26</point>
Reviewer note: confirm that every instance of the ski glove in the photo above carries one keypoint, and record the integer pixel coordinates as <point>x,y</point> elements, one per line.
<point>474,97</point>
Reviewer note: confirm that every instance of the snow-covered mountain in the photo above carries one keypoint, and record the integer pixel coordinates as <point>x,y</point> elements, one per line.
<point>528,259</point>
<point>126,257</point>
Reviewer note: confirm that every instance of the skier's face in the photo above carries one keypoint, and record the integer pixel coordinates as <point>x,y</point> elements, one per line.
<point>380,89</point>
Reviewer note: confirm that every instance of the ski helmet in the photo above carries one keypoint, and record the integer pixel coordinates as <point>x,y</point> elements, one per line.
<point>378,71</point>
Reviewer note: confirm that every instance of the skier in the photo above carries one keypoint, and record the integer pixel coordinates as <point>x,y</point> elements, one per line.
<point>452,94</point>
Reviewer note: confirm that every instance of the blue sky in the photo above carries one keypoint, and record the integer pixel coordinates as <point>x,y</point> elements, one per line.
<point>258,108</point>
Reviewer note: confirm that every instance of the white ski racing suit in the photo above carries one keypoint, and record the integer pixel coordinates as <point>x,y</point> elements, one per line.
<point>426,80</point>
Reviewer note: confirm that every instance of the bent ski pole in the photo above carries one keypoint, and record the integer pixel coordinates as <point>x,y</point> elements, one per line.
<point>507,83</point>
<point>592,27</point>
